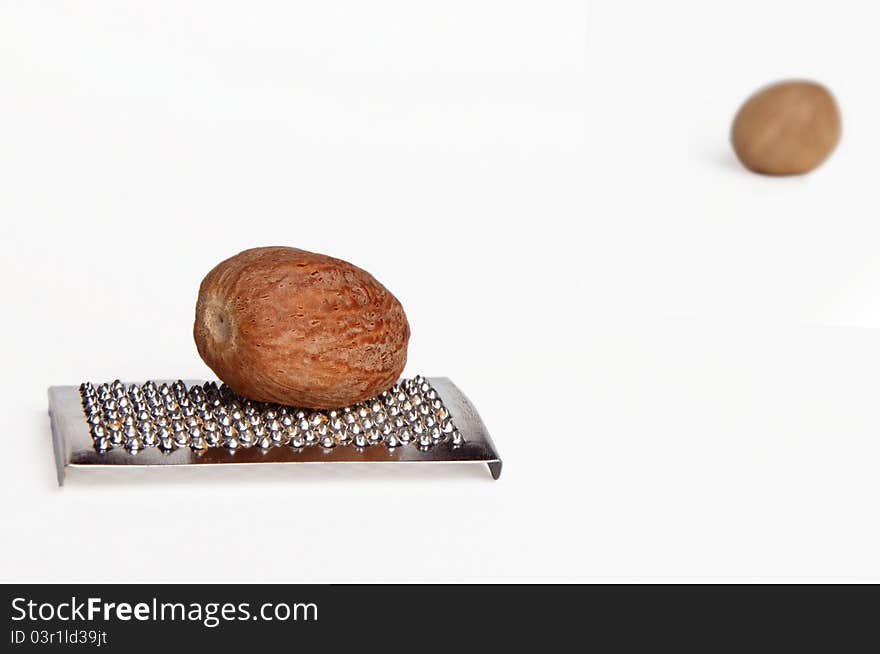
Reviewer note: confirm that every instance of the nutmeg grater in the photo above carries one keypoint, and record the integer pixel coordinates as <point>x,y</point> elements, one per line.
<point>161,423</point>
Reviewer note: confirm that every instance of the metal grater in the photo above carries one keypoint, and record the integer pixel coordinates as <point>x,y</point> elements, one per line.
<point>157,423</point>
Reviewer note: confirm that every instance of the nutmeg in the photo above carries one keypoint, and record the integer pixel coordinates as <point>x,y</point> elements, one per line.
<point>284,325</point>
<point>787,128</point>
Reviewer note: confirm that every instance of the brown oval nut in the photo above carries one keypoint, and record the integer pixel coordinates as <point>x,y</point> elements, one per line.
<point>787,128</point>
<point>279,324</point>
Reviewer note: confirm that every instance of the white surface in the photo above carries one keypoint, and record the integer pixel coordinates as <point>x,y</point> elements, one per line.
<point>548,189</point>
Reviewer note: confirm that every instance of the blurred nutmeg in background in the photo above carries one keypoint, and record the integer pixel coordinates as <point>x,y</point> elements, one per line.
<point>787,128</point>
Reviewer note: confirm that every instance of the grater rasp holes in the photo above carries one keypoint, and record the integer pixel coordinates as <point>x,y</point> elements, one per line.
<point>170,416</point>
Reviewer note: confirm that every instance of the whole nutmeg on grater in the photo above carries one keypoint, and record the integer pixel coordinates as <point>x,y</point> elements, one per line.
<point>787,128</point>
<point>284,325</point>
<point>309,350</point>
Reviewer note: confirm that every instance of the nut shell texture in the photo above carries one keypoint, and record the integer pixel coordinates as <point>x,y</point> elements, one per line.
<point>787,128</point>
<point>278,324</point>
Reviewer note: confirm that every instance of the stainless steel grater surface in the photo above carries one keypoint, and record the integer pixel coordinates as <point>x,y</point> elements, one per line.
<point>419,420</point>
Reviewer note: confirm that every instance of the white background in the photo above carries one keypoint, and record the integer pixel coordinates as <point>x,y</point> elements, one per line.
<point>675,357</point>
